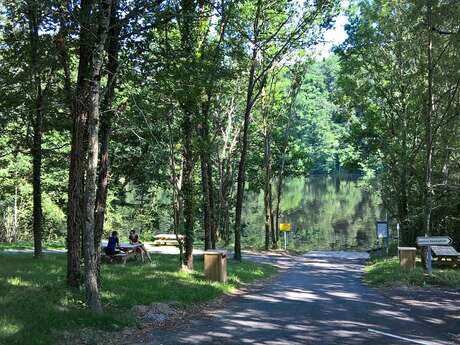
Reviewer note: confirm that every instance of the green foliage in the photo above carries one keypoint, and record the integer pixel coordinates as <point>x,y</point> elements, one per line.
<point>383,84</point>
<point>16,187</point>
<point>36,306</point>
<point>387,273</point>
<point>319,127</point>
<point>361,109</point>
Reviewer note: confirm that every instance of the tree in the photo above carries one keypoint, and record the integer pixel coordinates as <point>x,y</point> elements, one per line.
<point>75,221</point>
<point>272,36</point>
<point>296,83</point>
<point>37,108</point>
<point>403,94</point>
<point>91,282</point>
<point>30,90</point>
<point>107,113</point>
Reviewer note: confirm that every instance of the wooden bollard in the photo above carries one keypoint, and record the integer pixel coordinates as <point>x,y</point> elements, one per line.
<point>215,265</point>
<point>407,257</point>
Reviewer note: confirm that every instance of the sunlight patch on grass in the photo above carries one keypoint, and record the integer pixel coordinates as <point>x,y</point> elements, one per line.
<point>36,304</point>
<point>387,273</point>
<point>8,328</point>
<point>17,281</point>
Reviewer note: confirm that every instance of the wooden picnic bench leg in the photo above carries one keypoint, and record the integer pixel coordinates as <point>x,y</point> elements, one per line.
<point>148,255</point>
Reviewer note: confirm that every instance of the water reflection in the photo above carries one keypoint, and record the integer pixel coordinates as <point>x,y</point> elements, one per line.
<point>326,213</point>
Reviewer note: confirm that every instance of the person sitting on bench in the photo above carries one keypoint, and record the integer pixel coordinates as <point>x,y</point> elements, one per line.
<point>134,239</point>
<point>113,245</point>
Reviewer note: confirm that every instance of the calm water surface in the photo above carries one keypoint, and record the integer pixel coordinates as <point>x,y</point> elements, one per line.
<point>325,212</point>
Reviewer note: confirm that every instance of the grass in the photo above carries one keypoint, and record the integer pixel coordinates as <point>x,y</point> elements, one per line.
<point>30,245</point>
<point>385,272</point>
<point>35,304</point>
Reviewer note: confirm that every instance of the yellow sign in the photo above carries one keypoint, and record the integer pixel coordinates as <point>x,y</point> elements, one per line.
<point>285,227</point>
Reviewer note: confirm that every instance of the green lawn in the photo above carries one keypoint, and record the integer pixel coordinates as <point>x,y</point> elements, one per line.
<point>385,272</point>
<point>30,245</point>
<point>35,303</point>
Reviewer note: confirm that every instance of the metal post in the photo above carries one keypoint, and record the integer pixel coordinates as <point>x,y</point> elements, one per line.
<point>285,240</point>
<point>397,230</point>
<point>388,233</point>
<point>429,266</point>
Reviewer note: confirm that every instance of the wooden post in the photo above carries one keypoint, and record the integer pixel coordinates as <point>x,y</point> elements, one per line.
<point>407,257</point>
<point>215,265</point>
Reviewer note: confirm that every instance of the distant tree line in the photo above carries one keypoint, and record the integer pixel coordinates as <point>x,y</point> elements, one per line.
<point>400,81</point>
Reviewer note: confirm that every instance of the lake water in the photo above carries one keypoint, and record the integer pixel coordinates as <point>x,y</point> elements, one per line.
<point>326,213</point>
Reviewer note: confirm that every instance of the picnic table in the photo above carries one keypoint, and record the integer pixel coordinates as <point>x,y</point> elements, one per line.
<point>167,240</point>
<point>446,255</point>
<point>128,250</point>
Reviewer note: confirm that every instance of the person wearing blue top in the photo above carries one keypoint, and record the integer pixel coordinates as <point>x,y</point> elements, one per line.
<point>113,245</point>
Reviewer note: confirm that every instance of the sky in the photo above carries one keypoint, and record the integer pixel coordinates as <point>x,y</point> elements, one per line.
<point>333,36</point>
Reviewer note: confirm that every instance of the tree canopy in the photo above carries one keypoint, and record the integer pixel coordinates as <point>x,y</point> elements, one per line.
<point>159,115</point>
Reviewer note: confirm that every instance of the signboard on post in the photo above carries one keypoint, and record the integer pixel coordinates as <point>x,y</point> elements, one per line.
<point>423,241</point>
<point>285,228</point>
<point>382,229</point>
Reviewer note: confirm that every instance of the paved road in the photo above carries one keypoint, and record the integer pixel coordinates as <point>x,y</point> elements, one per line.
<point>320,300</point>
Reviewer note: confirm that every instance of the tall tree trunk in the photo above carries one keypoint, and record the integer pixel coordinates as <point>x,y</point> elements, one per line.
<point>295,87</point>
<point>91,258</point>
<point>107,113</point>
<point>37,128</point>
<point>205,177</point>
<point>407,233</point>
<point>189,106</point>
<point>176,183</point>
<point>223,202</point>
<point>226,178</point>
<point>187,132</point>
<point>250,99</point>
<point>63,51</point>
<point>78,152</point>
<point>206,201</point>
<point>429,127</point>
<point>37,190</point>
<point>106,128</point>
<point>279,189</point>
<point>280,181</point>
<point>242,165</point>
<point>212,208</point>
<point>267,188</point>
<point>270,210</point>
<point>15,215</point>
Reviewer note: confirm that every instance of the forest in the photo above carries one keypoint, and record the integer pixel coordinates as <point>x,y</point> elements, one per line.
<point>164,115</point>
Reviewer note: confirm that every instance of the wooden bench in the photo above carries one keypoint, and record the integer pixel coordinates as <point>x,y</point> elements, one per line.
<point>118,256</point>
<point>167,240</point>
<point>446,255</point>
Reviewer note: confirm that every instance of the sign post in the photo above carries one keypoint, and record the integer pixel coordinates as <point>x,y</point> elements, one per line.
<point>429,264</point>
<point>285,227</point>
<point>382,232</point>
<point>425,241</point>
